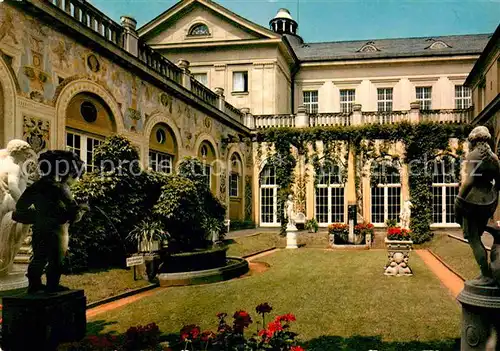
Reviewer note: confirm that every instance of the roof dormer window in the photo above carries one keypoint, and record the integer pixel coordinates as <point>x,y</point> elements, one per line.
<point>369,47</point>
<point>437,44</point>
<point>199,30</point>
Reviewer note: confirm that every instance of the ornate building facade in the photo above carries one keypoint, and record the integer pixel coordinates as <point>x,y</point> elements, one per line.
<point>71,76</point>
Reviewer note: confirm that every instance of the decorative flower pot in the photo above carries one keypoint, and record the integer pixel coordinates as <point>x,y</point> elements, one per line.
<point>398,252</point>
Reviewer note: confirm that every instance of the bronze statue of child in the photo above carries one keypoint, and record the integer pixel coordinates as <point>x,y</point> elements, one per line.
<point>478,198</point>
<point>49,206</point>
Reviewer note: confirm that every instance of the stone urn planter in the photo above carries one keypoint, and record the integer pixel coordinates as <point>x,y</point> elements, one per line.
<point>398,252</point>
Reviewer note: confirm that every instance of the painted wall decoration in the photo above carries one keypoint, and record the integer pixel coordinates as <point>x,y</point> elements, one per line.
<point>7,27</point>
<point>248,197</point>
<point>222,186</point>
<point>36,132</point>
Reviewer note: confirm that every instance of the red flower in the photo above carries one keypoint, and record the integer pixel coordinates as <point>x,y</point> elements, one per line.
<point>286,318</point>
<point>241,320</point>
<point>297,348</point>
<point>274,327</point>
<point>263,308</point>
<point>190,332</point>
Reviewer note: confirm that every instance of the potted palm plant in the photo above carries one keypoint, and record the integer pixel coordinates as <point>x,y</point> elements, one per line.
<point>312,225</point>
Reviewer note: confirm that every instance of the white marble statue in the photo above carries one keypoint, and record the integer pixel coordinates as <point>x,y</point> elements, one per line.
<point>13,182</point>
<point>405,215</point>
<point>290,212</point>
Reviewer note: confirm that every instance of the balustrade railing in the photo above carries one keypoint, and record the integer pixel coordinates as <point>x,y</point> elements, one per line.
<point>159,63</point>
<point>204,93</point>
<point>270,121</point>
<point>330,119</point>
<point>447,116</point>
<point>384,117</point>
<point>233,111</point>
<point>92,18</point>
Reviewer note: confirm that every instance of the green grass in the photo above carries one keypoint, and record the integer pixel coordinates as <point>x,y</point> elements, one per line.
<point>103,284</point>
<point>456,254</point>
<point>250,244</point>
<point>341,299</point>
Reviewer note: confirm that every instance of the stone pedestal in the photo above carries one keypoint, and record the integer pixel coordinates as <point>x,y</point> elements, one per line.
<point>291,237</point>
<point>480,317</point>
<point>398,253</point>
<point>43,321</point>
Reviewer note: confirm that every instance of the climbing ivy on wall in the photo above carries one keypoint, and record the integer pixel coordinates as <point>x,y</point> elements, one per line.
<point>423,142</point>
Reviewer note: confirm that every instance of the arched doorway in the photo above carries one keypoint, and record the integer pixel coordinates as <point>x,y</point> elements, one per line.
<point>162,149</point>
<point>385,192</point>
<point>330,188</point>
<point>88,122</point>
<point>206,153</point>
<point>269,210</point>
<point>236,187</point>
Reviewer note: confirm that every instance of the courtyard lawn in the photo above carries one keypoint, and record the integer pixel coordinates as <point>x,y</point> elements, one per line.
<point>103,284</point>
<point>341,299</point>
<point>456,254</point>
<point>247,245</point>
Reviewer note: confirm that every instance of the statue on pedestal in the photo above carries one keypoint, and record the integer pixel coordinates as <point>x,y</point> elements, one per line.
<point>13,182</point>
<point>478,198</point>
<point>290,213</point>
<point>405,215</point>
<point>49,206</point>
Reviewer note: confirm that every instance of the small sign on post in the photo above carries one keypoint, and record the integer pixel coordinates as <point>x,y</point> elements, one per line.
<point>135,261</point>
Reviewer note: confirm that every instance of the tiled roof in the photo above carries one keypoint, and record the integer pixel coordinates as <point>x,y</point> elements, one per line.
<point>388,48</point>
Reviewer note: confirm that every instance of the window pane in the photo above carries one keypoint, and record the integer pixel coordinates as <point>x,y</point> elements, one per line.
<point>92,144</point>
<point>384,96</point>
<point>463,98</point>
<point>202,78</point>
<point>233,185</point>
<point>310,99</point>
<point>424,96</point>
<point>337,205</point>
<point>347,97</point>
<point>240,81</point>
<point>322,205</point>
<point>377,206</point>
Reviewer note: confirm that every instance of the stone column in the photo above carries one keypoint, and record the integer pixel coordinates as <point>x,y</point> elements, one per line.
<point>480,311</point>
<point>301,118</point>
<point>186,77</point>
<point>414,115</point>
<point>220,92</point>
<point>357,116</point>
<point>351,189</point>
<point>130,36</point>
<point>248,119</point>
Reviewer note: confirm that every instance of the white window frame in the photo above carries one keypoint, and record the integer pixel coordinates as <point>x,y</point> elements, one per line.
<point>274,191</point>
<point>330,192</point>
<point>208,175</point>
<point>421,96</point>
<point>310,100</point>
<point>234,185</point>
<point>347,99</point>
<point>463,97</point>
<point>156,158</point>
<point>242,85</point>
<point>83,151</point>
<point>443,187</point>
<point>385,98</point>
<point>385,195</point>
<point>201,77</point>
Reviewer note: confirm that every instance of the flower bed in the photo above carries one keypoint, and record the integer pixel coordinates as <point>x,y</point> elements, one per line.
<point>397,233</point>
<point>340,232</point>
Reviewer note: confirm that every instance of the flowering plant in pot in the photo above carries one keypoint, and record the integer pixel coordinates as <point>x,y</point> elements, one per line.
<point>339,232</point>
<point>366,230</point>
<point>397,233</point>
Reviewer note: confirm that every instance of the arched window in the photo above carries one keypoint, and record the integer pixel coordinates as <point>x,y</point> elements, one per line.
<point>444,190</point>
<point>235,187</point>
<point>88,122</point>
<point>385,192</point>
<point>269,197</point>
<point>162,148</point>
<point>198,30</point>
<point>330,200</point>
<point>206,154</point>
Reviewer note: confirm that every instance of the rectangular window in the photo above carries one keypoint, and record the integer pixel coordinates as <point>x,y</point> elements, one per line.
<point>311,101</point>
<point>463,97</point>
<point>207,176</point>
<point>384,99</point>
<point>347,97</point>
<point>160,162</point>
<point>84,146</point>
<point>233,185</point>
<point>240,82</point>
<point>424,96</point>
<point>202,78</point>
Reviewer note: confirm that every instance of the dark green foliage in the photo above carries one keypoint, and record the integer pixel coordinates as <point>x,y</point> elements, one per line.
<point>423,142</point>
<point>239,225</point>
